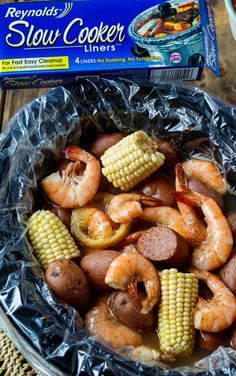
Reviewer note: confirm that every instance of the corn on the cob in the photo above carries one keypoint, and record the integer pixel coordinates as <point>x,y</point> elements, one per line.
<point>176,312</point>
<point>50,238</point>
<point>131,160</point>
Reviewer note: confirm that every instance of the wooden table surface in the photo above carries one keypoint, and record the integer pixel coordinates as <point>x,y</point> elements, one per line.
<point>225,86</point>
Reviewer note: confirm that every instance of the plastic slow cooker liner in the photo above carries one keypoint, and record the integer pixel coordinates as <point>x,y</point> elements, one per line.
<point>35,137</point>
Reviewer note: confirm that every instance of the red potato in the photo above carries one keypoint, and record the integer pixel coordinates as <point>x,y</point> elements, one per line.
<point>231,218</point>
<point>127,309</point>
<point>68,282</point>
<point>159,186</point>
<point>163,244</point>
<point>196,185</point>
<point>95,266</point>
<point>103,142</point>
<point>228,273</point>
<point>211,341</point>
<point>170,152</point>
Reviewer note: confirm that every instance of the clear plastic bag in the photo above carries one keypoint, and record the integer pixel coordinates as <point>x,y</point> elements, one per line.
<point>201,125</point>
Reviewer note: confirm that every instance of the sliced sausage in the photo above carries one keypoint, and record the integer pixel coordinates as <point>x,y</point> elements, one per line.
<point>160,187</point>
<point>231,218</point>
<point>228,273</point>
<point>196,185</point>
<point>163,244</point>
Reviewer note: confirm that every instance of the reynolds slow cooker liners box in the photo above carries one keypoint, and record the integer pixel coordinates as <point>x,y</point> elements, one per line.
<point>45,44</point>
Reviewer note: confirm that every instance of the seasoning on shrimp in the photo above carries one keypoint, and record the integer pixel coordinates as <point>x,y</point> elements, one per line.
<point>206,172</point>
<point>166,216</point>
<point>100,323</point>
<point>215,249</point>
<point>218,313</point>
<point>130,268</point>
<point>194,226</point>
<point>125,207</point>
<point>71,190</point>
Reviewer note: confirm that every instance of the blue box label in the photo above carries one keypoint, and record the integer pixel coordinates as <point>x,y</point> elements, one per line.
<point>209,37</point>
<point>96,37</point>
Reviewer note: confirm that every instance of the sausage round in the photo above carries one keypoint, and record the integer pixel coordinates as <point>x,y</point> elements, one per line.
<point>228,273</point>
<point>163,244</point>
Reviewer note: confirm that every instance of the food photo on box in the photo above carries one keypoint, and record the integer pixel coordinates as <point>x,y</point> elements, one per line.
<point>118,214</point>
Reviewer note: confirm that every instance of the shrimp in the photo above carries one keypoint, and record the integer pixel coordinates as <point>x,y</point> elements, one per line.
<point>194,226</point>
<point>130,268</point>
<point>99,224</point>
<point>218,313</point>
<point>125,207</point>
<point>215,249</point>
<point>71,190</point>
<point>100,323</point>
<point>206,172</point>
<point>166,216</point>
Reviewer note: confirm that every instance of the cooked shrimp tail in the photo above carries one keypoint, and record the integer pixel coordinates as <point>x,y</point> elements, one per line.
<point>74,153</point>
<point>181,181</point>
<point>188,197</point>
<point>125,207</point>
<point>194,226</point>
<point>150,201</point>
<point>127,270</point>
<point>219,312</point>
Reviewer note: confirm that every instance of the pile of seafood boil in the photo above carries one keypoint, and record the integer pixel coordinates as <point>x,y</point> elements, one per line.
<point>139,242</point>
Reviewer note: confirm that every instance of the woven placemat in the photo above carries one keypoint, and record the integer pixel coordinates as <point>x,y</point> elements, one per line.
<point>12,362</point>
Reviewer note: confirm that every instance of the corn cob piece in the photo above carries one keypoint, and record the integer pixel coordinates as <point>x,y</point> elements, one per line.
<point>131,160</point>
<point>50,238</point>
<point>176,312</point>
